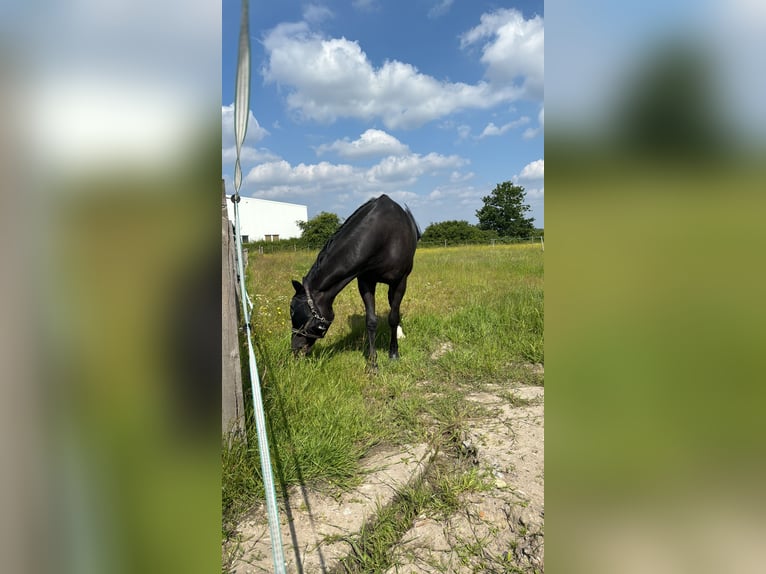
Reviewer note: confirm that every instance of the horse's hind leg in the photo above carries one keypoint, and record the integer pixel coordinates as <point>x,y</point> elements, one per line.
<point>367,291</point>
<point>395,296</point>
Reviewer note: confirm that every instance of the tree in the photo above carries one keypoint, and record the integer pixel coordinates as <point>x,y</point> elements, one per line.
<point>670,106</point>
<point>504,210</point>
<point>316,231</point>
<point>455,232</point>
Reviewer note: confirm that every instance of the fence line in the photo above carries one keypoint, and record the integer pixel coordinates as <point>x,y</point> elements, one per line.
<point>491,242</point>
<point>241,111</point>
<point>265,247</point>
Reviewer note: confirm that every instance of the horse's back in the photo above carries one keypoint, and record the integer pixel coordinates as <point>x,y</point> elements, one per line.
<point>391,236</point>
<point>377,241</point>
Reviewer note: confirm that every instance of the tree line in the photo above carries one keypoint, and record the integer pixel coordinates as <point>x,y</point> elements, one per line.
<point>503,216</point>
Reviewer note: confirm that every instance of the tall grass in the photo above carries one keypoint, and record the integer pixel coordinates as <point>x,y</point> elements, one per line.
<point>472,315</point>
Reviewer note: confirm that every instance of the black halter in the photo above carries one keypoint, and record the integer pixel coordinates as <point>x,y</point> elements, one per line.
<point>323,325</point>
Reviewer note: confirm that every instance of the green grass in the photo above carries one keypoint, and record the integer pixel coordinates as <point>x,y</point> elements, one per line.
<point>472,316</point>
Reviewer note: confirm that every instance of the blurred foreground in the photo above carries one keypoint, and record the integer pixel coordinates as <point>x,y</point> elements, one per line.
<point>654,316</point>
<point>110,170</point>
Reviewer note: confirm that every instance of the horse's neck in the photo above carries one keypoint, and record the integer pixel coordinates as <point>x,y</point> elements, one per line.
<point>324,294</point>
<point>325,287</point>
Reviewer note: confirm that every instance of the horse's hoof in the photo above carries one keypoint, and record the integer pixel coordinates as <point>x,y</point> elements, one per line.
<point>372,369</point>
<point>394,357</point>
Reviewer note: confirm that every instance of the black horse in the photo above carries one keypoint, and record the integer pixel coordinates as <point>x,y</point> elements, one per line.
<point>376,244</point>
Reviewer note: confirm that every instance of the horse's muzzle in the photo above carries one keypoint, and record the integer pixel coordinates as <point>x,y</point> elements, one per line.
<point>301,345</point>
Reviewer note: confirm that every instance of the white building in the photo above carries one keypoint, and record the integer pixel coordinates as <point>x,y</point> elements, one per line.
<point>261,219</point>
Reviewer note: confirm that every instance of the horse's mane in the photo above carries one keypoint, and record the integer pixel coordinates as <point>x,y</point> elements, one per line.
<point>365,207</point>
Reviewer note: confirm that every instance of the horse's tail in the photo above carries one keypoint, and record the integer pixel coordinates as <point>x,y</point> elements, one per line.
<point>418,233</point>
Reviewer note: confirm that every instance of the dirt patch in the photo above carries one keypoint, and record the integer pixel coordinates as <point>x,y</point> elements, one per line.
<point>502,528</point>
<point>313,524</point>
<point>443,349</point>
<point>498,527</point>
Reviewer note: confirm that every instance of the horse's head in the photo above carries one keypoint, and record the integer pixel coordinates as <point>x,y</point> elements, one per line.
<point>308,324</point>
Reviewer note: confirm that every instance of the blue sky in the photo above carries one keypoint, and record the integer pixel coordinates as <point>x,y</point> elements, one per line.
<point>433,102</point>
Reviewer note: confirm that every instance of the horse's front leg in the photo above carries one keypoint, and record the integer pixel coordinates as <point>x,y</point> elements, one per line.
<point>395,296</point>
<point>367,291</point>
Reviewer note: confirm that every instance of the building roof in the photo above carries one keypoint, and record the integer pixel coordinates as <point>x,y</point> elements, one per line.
<point>246,199</point>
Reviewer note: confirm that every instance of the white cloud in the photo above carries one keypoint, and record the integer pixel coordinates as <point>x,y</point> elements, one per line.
<point>279,177</point>
<point>440,8</point>
<point>281,173</point>
<point>436,194</point>
<point>409,197</point>
<point>529,133</point>
<point>512,49</point>
<point>315,13</point>
<point>409,168</point>
<point>533,171</point>
<point>365,5</point>
<point>371,143</point>
<point>247,154</point>
<point>458,177</point>
<point>466,196</point>
<point>254,130</point>
<point>328,79</point>
<point>492,130</point>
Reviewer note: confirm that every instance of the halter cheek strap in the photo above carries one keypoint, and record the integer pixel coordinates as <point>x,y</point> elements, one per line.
<point>324,324</point>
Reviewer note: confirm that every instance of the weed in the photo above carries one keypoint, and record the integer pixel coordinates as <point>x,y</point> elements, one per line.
<point>517,401</point>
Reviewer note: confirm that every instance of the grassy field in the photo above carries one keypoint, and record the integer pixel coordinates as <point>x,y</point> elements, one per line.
<point>472,316</point>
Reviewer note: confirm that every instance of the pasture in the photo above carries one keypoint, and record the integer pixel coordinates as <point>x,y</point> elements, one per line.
<point>472,316</point>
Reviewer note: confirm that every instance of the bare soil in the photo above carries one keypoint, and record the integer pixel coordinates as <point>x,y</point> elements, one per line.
<point>497,529</point>
<point>502,529</point>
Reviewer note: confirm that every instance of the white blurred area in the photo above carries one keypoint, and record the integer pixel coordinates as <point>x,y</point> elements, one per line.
<point>126,84</point>
<point>737,30</point>
<point>90,122</point>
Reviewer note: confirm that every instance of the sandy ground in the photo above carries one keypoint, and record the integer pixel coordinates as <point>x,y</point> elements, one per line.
<point>499,529</point>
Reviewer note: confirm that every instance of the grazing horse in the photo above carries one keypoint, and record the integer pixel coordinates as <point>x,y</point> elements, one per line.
<point>376,244</point>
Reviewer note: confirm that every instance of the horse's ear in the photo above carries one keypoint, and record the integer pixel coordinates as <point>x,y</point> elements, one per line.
<point>298,286</point>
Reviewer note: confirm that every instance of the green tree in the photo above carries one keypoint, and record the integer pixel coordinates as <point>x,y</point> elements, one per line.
<point>504,210</point>
<point>316,231</point>
<point>454,232</point>
<point>670,105</point>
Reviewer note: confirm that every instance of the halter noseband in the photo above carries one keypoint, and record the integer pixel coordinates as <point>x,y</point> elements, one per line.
<point>324,324</point>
